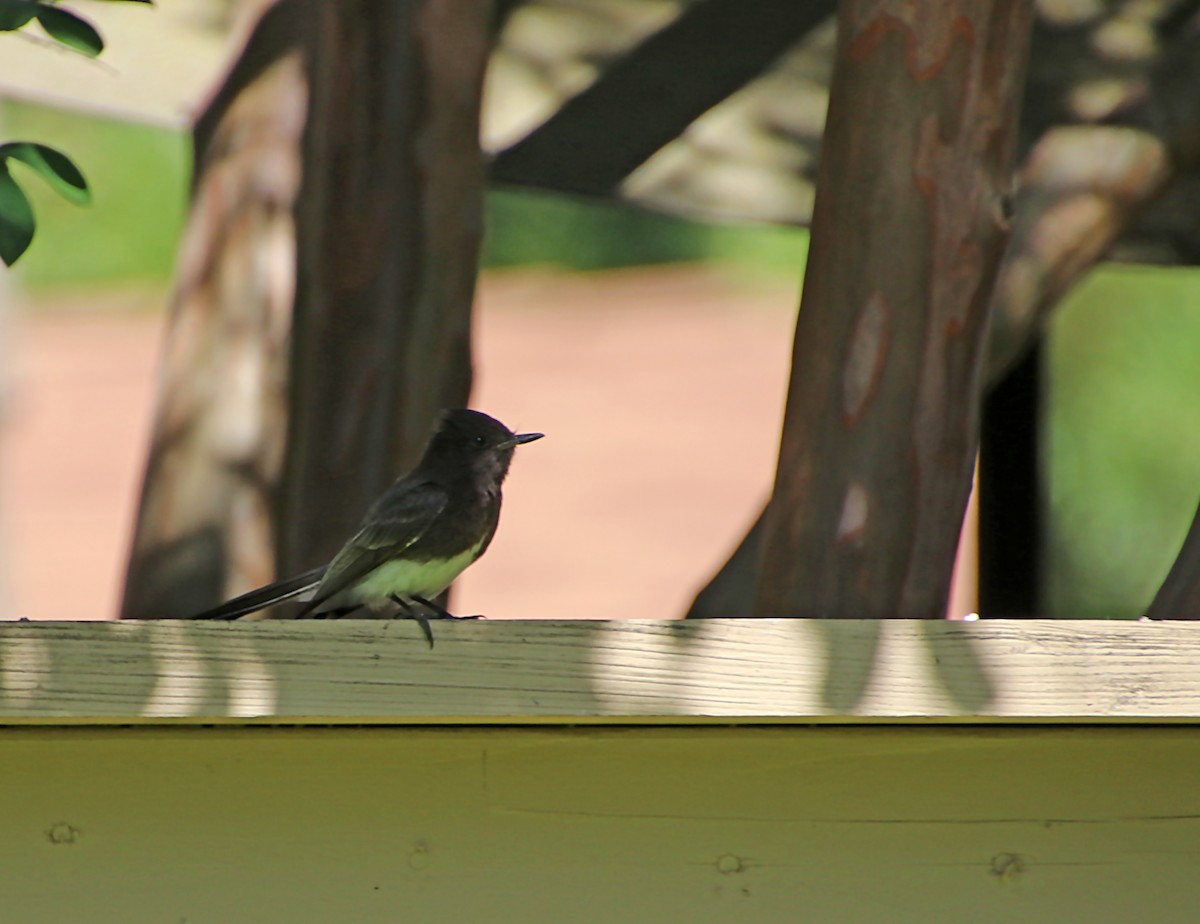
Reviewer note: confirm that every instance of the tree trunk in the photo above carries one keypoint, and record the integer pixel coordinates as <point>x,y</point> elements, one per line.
<point>881,425</point>
<point>1179,596</point>
<point>204,527</point>
<point>389,230</point>
<point>1081,187</point>
<point>338,174</point>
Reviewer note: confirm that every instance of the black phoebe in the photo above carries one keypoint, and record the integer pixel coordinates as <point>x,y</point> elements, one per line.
<point>417,538</point>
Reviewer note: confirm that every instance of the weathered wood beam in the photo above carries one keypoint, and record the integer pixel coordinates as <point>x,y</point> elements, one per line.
<point>542,672</point>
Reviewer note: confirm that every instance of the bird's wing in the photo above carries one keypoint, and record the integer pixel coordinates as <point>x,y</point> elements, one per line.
<point>397,520</point>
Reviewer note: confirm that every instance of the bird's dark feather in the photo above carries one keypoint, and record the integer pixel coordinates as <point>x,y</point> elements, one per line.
<point>262,597</point>
<point>394,523</point>
<point>418,536</point>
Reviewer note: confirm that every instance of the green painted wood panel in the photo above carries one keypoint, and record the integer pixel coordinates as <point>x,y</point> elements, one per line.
<point>658,824</point>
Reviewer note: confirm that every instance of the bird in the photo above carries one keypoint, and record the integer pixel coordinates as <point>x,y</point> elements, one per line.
<point>421,533</point>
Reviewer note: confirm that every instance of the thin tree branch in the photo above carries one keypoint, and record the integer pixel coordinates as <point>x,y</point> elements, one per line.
<point>648,98</point>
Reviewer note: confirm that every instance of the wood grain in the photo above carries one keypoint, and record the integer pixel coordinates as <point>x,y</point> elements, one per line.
<point>628,671</point>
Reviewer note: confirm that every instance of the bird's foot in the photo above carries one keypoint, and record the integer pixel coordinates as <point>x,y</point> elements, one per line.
<point>405,603</point>
<point>421,619</point>
<point>440,612</point>
<point>423,622</point>
<point>406,609</point>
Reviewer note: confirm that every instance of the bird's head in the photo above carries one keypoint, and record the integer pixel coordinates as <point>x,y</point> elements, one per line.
<point>486,442</point>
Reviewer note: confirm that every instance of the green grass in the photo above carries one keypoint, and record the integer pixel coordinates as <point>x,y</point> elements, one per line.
<point>526,227</point>
<point>138,176</point>
<point>139,180</point>
<point>1123,440</point>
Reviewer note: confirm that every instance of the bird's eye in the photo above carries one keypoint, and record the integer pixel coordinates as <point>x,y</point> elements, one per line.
<point>479,441</point>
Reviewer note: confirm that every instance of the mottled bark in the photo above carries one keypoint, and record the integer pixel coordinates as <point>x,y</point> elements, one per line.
<point>204,524</point>
<point>1079,190</point>
<point>321,316</point>
<point>881,424</point>
<point>389,231</point>
<point>1082,187</point>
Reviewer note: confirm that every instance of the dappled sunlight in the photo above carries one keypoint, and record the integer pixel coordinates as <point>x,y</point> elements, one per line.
<point>623,671</point>
<point>179,670</point>
<point>24,662</point>
<point>190,676</point>
<point>793,667</point>
<point>252,685</point>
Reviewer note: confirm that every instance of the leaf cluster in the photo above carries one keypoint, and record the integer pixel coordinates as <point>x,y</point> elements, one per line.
<point>17,223</point>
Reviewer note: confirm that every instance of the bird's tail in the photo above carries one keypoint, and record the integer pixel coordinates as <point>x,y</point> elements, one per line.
<point>266,596</point>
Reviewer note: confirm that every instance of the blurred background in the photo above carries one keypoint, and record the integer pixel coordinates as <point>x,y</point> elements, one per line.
<point>652,350</point>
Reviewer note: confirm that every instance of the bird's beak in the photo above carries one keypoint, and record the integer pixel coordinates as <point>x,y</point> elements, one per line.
<point>519,438</point>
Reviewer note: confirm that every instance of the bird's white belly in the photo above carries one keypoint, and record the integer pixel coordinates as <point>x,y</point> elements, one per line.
<point>427,579</point>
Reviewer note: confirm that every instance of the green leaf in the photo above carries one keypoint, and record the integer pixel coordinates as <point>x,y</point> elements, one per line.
<point>70,29</point>
<point>15,13</point>
<point>52,166</point>
<point>16,219</point>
